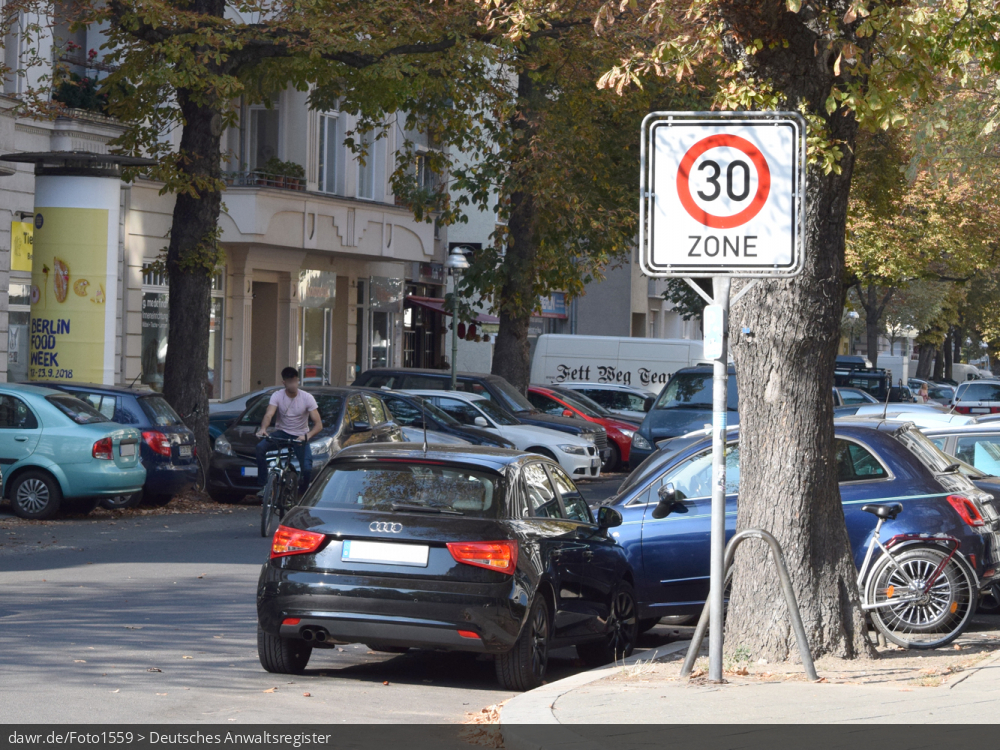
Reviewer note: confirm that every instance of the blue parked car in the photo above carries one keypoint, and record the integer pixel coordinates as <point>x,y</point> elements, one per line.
<point>59,453</point>
<point>878,461</point>
<point>167,447</point>
<point>684,405</point>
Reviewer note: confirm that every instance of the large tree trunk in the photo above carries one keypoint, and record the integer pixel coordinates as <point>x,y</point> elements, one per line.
<point>191,259</point>
<point>938,364</point>
<point>511,358</point>
<point>957,336</point>
<point>788,479</point>
<point>948,361</point>
<point>925,361</point>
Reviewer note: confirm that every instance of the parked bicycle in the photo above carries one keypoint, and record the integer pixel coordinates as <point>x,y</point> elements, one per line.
<point>920,593</point>
<point>282,483</point>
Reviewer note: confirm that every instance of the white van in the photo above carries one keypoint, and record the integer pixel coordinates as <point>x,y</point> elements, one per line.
<point>641,363</point>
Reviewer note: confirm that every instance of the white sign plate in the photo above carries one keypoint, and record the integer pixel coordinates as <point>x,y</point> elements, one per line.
<point>722,194</point>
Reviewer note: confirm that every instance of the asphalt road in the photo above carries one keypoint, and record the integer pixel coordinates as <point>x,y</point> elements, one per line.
<point>152,619</point>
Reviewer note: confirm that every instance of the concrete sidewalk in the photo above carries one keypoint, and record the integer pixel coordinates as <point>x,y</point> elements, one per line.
<point>608,696</point>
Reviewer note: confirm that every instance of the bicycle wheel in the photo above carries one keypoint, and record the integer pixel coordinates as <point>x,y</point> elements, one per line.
<point>937,617</point>
<point>271,491</point>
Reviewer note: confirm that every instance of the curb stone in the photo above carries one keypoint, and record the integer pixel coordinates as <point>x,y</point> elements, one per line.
<point>535,707</point>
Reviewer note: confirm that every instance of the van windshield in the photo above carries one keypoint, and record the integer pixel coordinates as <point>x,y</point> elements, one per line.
<point>693,390</point>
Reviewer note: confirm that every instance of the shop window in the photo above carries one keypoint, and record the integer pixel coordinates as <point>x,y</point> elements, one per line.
<point>317,299</point>
<point>17,332</point>
<point>156,320</point>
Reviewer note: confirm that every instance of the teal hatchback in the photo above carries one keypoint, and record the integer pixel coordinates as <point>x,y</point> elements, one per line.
<point>57,451</point>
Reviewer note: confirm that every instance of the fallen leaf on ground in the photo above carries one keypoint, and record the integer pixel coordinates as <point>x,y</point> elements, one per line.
<point>116,690</point>
<point>187,657</point>
<point>271,690</point>
<point>698,673</point>
<point>307,695</point>
<point>79,661</point>
<point>385,682</point>
<point>161,693</point>
<point>154,669</point>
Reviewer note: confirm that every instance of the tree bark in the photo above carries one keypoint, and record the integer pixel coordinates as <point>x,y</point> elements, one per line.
<point>938,364</point>
<point>949,348</point>
<point>511,354</point>
<point>785,378</point>
<point>191,257</point>
<point>925,361</point>
<point>957,336</point>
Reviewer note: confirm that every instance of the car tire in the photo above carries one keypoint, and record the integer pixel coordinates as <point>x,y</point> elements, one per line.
<point>80,505</point>
<point>989,602</point>
<point>282,655</point>
<point>122,502</point>
<point>155,500</point>
<point>36,495</point>
<point>614,459</point>
<point>623,624</point>
<point>524,666</point>
<point>679,620</point>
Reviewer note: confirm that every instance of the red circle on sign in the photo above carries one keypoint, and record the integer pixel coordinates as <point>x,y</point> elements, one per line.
<point>684,175</point>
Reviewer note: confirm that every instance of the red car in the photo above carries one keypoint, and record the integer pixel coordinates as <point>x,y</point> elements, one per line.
<point>566,403</point>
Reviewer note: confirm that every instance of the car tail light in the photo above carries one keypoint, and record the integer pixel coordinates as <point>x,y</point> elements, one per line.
<point>104,449</point>
<point>498,556</point>
<point>291,621</point>
<point>966,509</point>
<point>963,409</point>
<point>159,442</point>
<point>294,542</point>
<point>468,634</point>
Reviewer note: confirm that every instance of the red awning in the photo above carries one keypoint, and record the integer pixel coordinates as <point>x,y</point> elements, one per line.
<point>438,305</point>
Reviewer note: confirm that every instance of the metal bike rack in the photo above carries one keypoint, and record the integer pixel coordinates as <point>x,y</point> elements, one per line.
<point>786,588</point>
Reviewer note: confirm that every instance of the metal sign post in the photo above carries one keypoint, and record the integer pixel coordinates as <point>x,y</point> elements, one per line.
<point>722,197</point>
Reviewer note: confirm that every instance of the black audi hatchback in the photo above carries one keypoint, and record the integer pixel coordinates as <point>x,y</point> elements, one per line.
<point>459,549</point>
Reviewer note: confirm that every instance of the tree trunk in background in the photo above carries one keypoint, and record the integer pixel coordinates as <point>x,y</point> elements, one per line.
<point>785,378</point>
<point>190,267</point>
<point>949,348</point>
<point>871,335</point>
<point>957,336</point>
<point>938,365</point>
<point>511,355</point>
<point>925,361</point>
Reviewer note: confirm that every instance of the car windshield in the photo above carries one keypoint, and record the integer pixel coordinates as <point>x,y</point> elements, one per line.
<point>979,392</point>
<point>584,404</point>
<point>411,487</point>
<point>77,410</point>
<point>496,413</point>
<point>328,404</point>
<point>693,390</point>
<point>926,452</point>
<point>159,411</point>
<point>407,411</point>
<point>513,399</point>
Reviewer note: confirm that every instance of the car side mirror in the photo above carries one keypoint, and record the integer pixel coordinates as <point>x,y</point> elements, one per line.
<point>568,413</point>
<point>648,403</point>
<point>360,427</point>
<point>668,499</point>
<point>481,422</point>
<point>608,518</point>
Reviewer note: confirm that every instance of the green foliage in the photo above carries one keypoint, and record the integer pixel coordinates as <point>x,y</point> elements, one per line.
<point>275,166</point>
<point>79,92</point>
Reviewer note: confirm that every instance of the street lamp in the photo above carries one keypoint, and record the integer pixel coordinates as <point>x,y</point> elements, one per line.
<point>853,317</point>
<point>455,264</point>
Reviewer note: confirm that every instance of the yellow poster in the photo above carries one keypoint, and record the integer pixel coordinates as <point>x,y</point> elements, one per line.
<point>68,294</point>
<point>20,245</point>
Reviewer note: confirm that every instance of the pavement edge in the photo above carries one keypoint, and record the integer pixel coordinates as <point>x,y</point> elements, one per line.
<point>535,707</point>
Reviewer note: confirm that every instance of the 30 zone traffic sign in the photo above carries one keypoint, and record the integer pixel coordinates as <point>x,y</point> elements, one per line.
<point>722,193</point>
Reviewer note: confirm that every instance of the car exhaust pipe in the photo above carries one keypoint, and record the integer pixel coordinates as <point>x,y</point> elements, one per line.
<point>320,636</point>
<point>307,634</point>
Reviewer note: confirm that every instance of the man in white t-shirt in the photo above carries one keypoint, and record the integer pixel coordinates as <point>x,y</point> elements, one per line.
<point>294,409</point>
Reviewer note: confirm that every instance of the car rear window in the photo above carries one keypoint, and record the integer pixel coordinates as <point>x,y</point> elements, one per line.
<point>159,411</point>
<point>410,488</point>
<point>926,452</point>
<point>693,390</point>
<point>979,392</point>
<point>512,398</point>
<point>77,410</point>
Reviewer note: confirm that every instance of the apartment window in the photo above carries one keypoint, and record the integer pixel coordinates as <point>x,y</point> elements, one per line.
<point>330,144</point>
<point>263,137</point>
<point>425,176</point>
<point>366,170</point>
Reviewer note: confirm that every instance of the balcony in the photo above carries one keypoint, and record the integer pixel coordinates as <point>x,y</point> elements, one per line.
<point>260,178</point>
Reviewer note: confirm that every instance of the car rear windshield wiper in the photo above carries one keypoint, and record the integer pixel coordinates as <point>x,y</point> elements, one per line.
<point>425,509</point>
<point>951,468</point>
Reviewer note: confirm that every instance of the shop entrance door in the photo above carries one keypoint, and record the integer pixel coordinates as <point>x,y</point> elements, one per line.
<point>314,351</point>
<point>264,335</point>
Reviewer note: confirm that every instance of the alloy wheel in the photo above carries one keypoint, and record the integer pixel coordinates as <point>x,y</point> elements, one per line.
<point>33,495</point>
<point>623,623</point>
<point>539,643</point>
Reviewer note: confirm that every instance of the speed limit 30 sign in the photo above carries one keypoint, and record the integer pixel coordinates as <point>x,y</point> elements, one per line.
<point>722,194</point>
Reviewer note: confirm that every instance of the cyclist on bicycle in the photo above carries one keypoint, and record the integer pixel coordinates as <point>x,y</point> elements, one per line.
<point>294,408</point>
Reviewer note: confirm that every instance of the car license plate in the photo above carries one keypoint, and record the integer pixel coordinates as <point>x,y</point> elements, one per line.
<point>979,410</point>
<point>184,451</point>
<point>385,553</point>
<point>594,463</point>
<point>126,450</point>
<point>248,471</point>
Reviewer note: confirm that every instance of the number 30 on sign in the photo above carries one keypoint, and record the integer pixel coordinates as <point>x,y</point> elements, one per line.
<point>722,194</point>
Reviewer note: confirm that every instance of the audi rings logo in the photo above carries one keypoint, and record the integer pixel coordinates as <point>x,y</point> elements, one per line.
<point>384,527</point>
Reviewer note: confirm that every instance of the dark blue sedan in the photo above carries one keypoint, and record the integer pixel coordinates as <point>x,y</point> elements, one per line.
<point>878,462</point>
<point>167,449</point>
